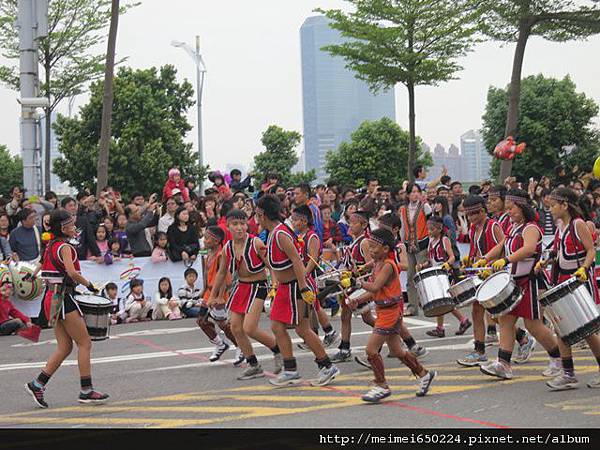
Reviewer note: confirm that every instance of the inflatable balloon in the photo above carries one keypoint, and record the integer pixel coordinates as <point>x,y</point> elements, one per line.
<point>597,168</point>
<point>508,149</point>
<point>5,274</point>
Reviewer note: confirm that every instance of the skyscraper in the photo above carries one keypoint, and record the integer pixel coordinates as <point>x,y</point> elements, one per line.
<point>476,160</point>
<point>335,103</point>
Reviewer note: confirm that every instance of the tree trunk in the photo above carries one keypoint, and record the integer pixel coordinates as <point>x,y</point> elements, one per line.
<point>514,93</point>
<point>107,102</point>
<point>412,146</point>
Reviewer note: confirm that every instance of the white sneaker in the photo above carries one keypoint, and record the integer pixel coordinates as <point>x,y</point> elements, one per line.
<point>326,376</point>
<point>218,351</point>
<point>497,369</point>
<point>376,394</point>
<point>563,382</point>
<point>239,357</point>
<point>278,363</point>
<point>554,368</point>
<point>594,383</point>
<point>252,372</point>
<point>425,383</point>
<point>286,378</point>
<point>524,352</point>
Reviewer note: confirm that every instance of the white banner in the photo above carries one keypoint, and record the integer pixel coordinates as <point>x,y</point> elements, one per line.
<point>121,273</point>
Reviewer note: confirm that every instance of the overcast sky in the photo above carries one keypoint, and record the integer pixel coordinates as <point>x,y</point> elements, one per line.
<point>252,51</point>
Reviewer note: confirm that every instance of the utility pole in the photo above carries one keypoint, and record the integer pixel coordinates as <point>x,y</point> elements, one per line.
<point>200,86</point>
<point>32,22</point>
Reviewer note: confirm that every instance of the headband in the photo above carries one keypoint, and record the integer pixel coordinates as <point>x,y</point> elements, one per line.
<point>517,200</point>
<point>68,221</point>
<point>377,239</point>
<point>559,198</point>
<point>473,208</point>
<point>218,238</point>
<point>496,194</point>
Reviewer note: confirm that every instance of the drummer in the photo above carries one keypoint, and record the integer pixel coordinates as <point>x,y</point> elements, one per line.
<point>522,249</point>
<point>385,289</point>
<point>61,271</point>
<point>497,207</point>
<point>440,253</point>
<point>302,221</point>
<point>574,255</point>
<point>356,259</point>
<point>486,240</point>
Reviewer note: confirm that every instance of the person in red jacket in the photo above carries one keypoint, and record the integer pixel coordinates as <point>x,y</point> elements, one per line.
<point>11,319</point>
<point>175,182</point>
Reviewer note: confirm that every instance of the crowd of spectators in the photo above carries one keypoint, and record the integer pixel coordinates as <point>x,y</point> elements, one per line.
<point>169,226</point>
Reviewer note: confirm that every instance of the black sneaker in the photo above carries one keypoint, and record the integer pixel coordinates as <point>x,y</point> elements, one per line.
<point>92,397</point>
<point>37,394</point>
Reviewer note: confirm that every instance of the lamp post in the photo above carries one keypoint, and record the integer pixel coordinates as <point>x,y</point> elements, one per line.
<point>200,74</point>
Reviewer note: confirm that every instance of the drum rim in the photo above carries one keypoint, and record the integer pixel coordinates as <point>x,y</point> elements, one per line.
<point>106,303</point>
<point>551,295</point>
<point>491,277</point>
<point>426,273</point>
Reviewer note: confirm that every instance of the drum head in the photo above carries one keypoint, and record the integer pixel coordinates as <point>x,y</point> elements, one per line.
<point>92,300</point>
<point>493,285</point>
<point>430,272</point>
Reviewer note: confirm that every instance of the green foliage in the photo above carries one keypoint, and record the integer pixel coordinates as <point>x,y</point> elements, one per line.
<point>412,42</point>
<point>555,20</point>
<point>11,173</point>
<point>148,127</point>
<point>279,156</point>
<point>553,114</point>
<point>71,55</point>
<point>378,148</point>
<point>302,177</point>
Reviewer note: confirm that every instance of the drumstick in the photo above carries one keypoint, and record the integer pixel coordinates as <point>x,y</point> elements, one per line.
<point>326,262</point>
<point>477,269</point>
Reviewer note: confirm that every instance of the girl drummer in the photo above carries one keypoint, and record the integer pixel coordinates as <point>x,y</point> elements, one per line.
<point>574,254</point>
<point>386,291</point>
<point>61,271</point>
<point>440,253</point>
<point>522,249</point>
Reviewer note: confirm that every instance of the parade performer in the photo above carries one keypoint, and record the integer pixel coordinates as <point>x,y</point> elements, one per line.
<point>293,298</point>
<point>574,254</point>
<point>244,257</point>
<point>62,273</point>
<point>385,290</point>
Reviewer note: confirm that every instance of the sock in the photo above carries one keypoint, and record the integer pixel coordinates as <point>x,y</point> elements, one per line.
<point>344,345</point>
<point>504,356</point>
<point>520,335</point>
<point>217,340</point>
<point>568,366</point>
<point>554,353</point>
<point>409,341</point>
<point>252,360</point>
<point>491,329</point>
<point>289,365</point>
<point>440,327</point>
<point>480,347</point>
<point>323,363</point>
<point>465,320</point>
<point>275,349</point>
<point>598,360</point>
<point>42,379</point>
<point>86,384</point>
<point>328,329</point>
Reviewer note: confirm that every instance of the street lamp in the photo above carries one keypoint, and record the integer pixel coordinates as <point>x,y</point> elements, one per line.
<point>200,73</point>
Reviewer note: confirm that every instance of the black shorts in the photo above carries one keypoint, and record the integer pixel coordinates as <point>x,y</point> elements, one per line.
<point>69,304</point>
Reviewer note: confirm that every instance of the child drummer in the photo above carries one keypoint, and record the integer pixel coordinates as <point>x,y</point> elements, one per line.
<point>573,254</point>
<point>386,291</point>
<point>440,254</point>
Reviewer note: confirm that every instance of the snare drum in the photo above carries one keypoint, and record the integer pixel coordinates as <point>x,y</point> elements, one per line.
<point>96,313</point>
<point>499,294</point>
<point>365,306</point>
<point>572,310</point>
<point>432,286</point>
<point>464,291</point>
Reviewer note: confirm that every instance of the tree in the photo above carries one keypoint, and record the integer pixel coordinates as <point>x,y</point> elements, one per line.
<point>107,101</point>
<point>517,20</point>
<point>553,115</point>
<point>148,127</point>
<point>279,156</point>
<point>413,42</point>
<point>75,30</point>
<point>378,148</point>
<point>12,171</point>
